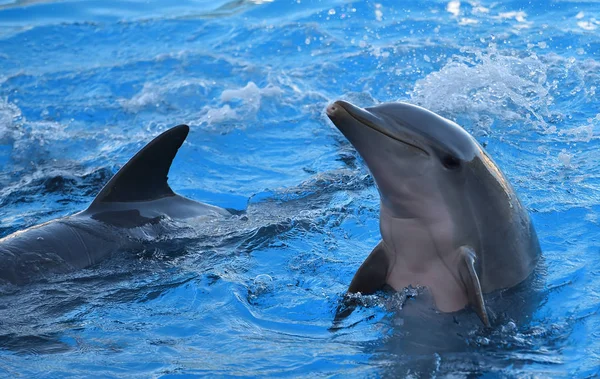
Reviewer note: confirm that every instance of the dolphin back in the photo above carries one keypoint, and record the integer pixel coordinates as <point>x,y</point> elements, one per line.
<point>137,196</point>
<point>509,247</point>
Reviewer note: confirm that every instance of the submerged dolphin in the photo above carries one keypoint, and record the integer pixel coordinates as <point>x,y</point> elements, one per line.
<point>449,219</point>
<point>136,201</point>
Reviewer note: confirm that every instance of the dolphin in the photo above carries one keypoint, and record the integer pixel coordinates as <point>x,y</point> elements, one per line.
<point>449,219</point>
<point>135,205</point>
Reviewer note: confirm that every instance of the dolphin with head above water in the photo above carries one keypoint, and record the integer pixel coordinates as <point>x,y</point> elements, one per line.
<point>137,201</point>
<point>449,219</point>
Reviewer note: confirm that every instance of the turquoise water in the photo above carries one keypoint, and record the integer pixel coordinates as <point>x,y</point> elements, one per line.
<point>85,84</point>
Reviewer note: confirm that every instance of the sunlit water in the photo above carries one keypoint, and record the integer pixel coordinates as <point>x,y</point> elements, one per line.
<point>84,84</point>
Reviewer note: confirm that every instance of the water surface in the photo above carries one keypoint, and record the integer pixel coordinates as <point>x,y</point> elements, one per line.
<point>85,84</point>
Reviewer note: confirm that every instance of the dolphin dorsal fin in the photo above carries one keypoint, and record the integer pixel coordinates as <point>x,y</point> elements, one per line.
<point>145,176</point>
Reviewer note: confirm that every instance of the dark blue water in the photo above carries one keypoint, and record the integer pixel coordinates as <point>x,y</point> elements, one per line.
<point>85,84</point>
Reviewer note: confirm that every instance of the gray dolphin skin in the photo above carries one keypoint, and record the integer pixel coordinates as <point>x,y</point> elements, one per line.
<point>449,219</point>
<point>136,201</point>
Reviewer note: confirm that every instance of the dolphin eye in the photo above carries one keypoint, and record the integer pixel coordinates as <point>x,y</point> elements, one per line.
<point>450,162</point>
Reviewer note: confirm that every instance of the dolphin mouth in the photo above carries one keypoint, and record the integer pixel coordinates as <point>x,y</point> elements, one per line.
<point>367,118</point>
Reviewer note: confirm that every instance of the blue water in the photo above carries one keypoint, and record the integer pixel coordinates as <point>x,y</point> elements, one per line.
<point>85,84</point>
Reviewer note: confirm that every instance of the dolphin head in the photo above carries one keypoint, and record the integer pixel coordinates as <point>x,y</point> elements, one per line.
<point>445,207</point>
<point>411,152</point>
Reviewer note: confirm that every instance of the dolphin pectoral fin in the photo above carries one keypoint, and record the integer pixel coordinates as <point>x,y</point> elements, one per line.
<point>372,274</point>
<point>469,277</point>
<point>145,176</point>
<point>369,278</point>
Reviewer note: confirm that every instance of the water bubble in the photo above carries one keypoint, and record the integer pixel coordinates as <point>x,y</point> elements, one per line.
<point>262,284</point>
<point>483,341</point>
<point>565,158</point>
<point>378,12</point>
<point>512,325</point>
<point>263,281</point>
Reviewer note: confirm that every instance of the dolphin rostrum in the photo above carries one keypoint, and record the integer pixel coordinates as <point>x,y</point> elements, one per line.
<point>449,219</point>
<point>137,201</point>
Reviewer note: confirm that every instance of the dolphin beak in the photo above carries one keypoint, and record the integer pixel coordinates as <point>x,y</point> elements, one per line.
<point>340,110</point>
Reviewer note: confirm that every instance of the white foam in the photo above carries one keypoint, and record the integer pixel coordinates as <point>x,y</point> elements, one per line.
<point>153,94</point>
<point>584,133</point>
<point>468,21</point>
<point>488,83</point>
<point>521,96</point>
<point>378,12</point>
<point>148,95</point>
<point>217,115</point>
<point>9,113</point>
<point>478,8</point>
<point>519,16</point>
<point>241,103</point>
<point>565,158</point>
<point>250,94</point>
<point>29,139</point>
<point>453,7</point>
<point>587,25</point>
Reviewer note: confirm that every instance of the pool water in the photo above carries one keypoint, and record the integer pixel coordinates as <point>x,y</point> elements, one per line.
<point>85,84</point>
